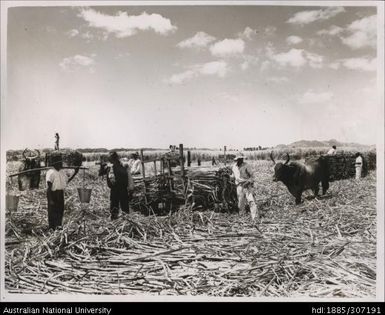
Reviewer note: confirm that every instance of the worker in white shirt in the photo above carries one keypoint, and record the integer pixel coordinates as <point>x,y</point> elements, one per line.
<point>332,151</point>
<point>358,164</point>
<point>57,180</point>
<point>244,180</point>
<point>135,164</point>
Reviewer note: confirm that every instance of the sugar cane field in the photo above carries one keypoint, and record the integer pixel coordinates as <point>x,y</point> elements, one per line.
<point>325,247</point>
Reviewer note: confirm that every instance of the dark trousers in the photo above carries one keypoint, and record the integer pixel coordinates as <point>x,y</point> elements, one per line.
<point>119,197</point>
<point>55,208</point>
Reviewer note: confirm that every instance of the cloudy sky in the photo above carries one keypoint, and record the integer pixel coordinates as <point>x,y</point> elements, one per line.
<point>204,76</point>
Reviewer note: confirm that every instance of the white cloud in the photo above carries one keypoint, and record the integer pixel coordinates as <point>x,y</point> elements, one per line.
<point>362,64</point>
<point>199,40</point>
<point>76,62</point>
<point>270,30</point>
<point>229,97</point>
<point>124,25</point>
<point>269,48</point>
<point>334,65</point>
<point>295,58</point>
<point>362,33</point>
<point>122,55</point>
<point>293,40</point>
<point>218,68</point>
<point>72,33</point>
<point>278,79</point>
<point>247,33</point>
<point>249,60</point>
<point>87,36</point>
<point>245,65</point>
<point>332,31</point>
<point>265,65</point>
<point>314,60</point>
<point>214,68</point>
<point>179,78</point>
<point>306,17</point>
<point>311,97</point>
<point>227,47</point>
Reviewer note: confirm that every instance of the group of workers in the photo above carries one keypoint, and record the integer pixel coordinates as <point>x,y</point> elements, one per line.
<point>119,180</point>
<point>121,184</point>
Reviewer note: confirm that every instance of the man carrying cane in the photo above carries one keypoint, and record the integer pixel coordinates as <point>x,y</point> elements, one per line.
<point>244,179</point>
<point>57,180</point>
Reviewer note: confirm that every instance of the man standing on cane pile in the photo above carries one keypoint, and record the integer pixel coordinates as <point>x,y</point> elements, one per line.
<point>332,151</point>
<point>57,181</point>
<point>244,180</point>
<point>120,181</point>
<point>57,139</point>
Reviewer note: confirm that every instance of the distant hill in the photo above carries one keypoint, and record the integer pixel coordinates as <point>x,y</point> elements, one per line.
<point>319,144</point>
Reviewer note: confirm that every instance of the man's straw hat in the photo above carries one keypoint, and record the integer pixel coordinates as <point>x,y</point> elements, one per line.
<point>239,156</point>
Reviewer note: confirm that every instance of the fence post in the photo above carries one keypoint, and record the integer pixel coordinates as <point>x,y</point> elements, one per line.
<point>143,175</point>
<point>155,170</point>
<point>188,158</point>
<point>181,159</point>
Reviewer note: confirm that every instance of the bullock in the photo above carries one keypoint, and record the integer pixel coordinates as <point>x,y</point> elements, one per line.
<point>299,177</point>
<point>31,179</point>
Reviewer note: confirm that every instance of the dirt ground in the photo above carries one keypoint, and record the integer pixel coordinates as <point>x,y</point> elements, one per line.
<point>325,247</point>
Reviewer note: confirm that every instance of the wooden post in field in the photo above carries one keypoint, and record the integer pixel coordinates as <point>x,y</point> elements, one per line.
<point>143,175</point>
<point>142,160</point>
<point>188,158</point>
<point>224,153</point>
<point>155,168</point>
<point>162,166</point>
<point>181,159</point>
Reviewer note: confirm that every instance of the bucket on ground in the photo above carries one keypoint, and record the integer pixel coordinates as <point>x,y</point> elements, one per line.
<point>84,194</point>
<point>12,202</point>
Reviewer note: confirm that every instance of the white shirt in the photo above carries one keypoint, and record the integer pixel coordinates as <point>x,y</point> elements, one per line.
<point>58,179</point>
<point>242,173</point>
<point>126,164</point>
<point>136,167</point>
<point>332,151</point>
<point>359,161</point>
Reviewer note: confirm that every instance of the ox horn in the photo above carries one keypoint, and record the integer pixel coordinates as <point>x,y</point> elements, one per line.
<point>287,158</point>
<point>26,149</point>
<point>271,157</point>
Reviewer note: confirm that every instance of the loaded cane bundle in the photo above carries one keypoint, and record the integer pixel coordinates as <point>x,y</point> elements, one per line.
<point>212,189</point>
<point>342,166</point>
<point>69,157</point>
<point>208,189</point>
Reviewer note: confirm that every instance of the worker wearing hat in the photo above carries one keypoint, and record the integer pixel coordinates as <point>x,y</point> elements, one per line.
<point>120,181</point>
<point>244,180</point>
<point>135,164</point>
<point>57,180</point>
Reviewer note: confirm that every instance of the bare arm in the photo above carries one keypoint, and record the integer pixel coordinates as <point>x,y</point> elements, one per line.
<point>49,193</point>
<point>74,174</point>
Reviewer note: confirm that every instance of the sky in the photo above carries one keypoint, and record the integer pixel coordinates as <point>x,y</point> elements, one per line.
<point>204,76</point>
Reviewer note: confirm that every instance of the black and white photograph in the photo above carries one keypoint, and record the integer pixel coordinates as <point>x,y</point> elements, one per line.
<point>192,151</point>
